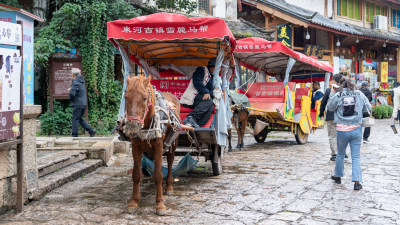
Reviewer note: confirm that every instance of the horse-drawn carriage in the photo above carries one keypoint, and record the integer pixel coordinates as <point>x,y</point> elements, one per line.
<point>281,106</point>
<point>169,47</point>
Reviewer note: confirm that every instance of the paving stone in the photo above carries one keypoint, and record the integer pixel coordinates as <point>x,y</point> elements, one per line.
<point>248,217</point>
<point>312,222</point>
<point>277,182</point>
<point>344,215</point>
<point>287,216</point>
<point>377,212</point>
<point>379,220</point>
<point>272,222</point>
<point>304,206</point>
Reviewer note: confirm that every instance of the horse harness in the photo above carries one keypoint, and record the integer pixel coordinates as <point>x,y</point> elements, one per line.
<point>164,113</point>
<point>238,107</point>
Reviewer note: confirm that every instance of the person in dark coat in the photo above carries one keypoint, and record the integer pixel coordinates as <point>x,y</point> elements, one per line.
<point>330,116</point>
<point>77,96</point>
<point>203,104</point>
<point>364,89</point>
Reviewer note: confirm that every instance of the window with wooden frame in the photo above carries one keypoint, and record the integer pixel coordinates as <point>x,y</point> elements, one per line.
<point>204,6</point>
<point>372,9</point>
<point>349,8</point>
<point>395,18</point>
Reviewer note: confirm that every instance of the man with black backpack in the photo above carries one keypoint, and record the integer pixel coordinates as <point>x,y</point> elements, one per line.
<point>396,101</point>
<point>364,89</point>
<point>330,116</point>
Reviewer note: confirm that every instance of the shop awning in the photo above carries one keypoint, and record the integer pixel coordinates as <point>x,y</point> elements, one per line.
<point>164,38</point>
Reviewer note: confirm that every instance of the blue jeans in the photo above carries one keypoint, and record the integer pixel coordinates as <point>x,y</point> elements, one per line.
<point>345,138</point>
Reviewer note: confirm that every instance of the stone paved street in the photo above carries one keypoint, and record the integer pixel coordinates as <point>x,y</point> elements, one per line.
<point>277,182</point>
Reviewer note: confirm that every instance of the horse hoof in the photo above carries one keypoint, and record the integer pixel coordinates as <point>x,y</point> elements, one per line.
<point>169,192</point>
<point>132,210</point>
<point>161,212</point>
<point>230,150</point>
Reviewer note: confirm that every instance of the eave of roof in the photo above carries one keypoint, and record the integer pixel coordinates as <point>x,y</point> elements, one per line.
<point>243,29</point>
<point>322,22</point>
<point>10,8</point>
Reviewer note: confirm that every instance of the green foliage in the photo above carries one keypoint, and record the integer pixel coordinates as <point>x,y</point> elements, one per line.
<point>82,24</point>
<point>187,6</point>
<point>58,123</point>
<point>13,3</point>
<point>382,111</point>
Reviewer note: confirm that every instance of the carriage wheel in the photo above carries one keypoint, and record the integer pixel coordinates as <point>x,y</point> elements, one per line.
<point>216,162</point>
<point>301,137</point>
<point>260,138</point>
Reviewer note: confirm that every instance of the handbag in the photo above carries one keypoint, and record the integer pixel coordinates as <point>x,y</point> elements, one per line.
<point>368,121</point>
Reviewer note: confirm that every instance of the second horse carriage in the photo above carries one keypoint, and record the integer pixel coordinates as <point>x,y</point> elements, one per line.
<point>281,106</point>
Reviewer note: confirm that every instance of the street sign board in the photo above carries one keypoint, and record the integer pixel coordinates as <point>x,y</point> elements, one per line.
<point>61,77</point>
<point>10,78</point>
<point>10,34</point>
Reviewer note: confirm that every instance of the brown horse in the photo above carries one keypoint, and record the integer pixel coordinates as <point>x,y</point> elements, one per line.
<point>239,119</point>
<point>140,116</point>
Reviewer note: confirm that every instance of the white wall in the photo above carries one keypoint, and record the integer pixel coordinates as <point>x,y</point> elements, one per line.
<point>313,5</point>
<point>220,9</point>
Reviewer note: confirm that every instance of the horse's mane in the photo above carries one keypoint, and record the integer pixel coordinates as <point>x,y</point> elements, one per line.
<point>137,83</point>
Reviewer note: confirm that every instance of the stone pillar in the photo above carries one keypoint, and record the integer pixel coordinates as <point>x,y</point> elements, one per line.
<point>8,162</point>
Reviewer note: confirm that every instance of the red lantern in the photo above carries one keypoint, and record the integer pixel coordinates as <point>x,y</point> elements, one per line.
<point>353,49</point>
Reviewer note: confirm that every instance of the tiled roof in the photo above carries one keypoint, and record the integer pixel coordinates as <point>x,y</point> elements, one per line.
<point>311,17</point>
<point>243,29</point>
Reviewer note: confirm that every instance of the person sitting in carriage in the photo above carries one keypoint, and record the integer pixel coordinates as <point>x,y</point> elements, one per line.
<point>198,96</point>
<point>317,93</point>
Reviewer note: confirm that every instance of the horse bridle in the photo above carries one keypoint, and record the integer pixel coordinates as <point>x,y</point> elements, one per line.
<point>138,119</point>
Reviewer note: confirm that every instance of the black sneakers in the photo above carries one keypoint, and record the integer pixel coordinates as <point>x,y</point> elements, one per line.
<point>337,180</point>
<point>357,186</point>
<point>191,122</point>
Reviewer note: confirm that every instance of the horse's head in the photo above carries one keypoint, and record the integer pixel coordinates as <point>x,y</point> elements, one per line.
<point>139,104</point>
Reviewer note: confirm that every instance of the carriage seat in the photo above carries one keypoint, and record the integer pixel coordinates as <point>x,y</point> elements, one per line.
<point>300,92</point>
<point>177,88</point>
<point>268,96</point>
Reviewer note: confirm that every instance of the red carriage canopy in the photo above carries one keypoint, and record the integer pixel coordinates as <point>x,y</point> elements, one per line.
<point>164,38</point>
<point>272,57</point>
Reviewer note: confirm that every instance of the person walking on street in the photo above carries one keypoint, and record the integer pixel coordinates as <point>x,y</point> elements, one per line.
<point>77,96</point>
<point>329,115</point>
<point>348,106</point>
<point>396,102</point>
<point>364,89</point>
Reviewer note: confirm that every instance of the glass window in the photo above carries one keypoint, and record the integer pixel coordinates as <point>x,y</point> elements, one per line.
<point>398,18</point>
<point>349,8</point>
<point>351,12</point>
<point>394,18</point>
<point>344,7</point>
<point>356,10</point>
<point>373,10</point>
<point>371,13</point>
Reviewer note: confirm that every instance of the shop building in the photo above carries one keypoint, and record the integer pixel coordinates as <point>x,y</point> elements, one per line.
<point>360,38</point>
